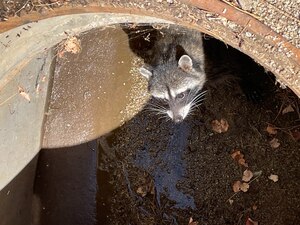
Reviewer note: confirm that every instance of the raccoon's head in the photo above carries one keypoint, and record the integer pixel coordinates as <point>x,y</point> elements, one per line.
<point>179,84</point>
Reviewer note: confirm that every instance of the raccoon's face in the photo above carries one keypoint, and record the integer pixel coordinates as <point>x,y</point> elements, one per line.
<point>179,85</point>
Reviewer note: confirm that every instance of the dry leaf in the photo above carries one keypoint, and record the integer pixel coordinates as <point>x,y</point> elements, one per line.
<point>273,177</point>
<point>73,45</point>
<point>191,222</point>
<point>220,126</point>
<point>287,109</point>
<point>274,143</point>
<point>236,186</point>
<point>240,186</point>
<point>251,222</point>
<point>247,175</point>
<point>237,153</point>
<point>230,201</point>
<point>239,157</point>
<point>271,129</point>
<point>243,162</point>
<point>244,187</point>
<point>24,94</point>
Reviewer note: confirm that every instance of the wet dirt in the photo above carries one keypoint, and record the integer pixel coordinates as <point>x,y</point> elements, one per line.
<point>165,173</point>
<point>152,171</point>
<point>187,170</point>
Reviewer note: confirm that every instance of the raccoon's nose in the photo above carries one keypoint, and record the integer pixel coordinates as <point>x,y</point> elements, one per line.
<point>178,119</point>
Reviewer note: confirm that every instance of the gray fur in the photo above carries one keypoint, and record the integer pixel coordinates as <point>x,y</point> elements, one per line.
<point>176,80</point>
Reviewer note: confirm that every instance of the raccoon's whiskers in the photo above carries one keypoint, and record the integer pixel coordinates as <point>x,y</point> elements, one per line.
<point>157,111</point>
<point>164,117</point>
<point>156,108</point>
<point>197,100</point>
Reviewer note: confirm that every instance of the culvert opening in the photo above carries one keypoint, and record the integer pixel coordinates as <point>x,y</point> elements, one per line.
<point>153,171</point>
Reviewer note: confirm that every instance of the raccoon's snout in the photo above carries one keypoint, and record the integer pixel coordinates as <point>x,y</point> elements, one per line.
<point>178,115</point>
<point>175,118</point>
<point>178,119</point>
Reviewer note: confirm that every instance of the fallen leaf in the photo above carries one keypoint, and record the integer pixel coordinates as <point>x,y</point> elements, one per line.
<point>73,45</point>
<point>273,177</point>
<point>236,186</point>
<point>192,222</point>
<point>247,175</point>
<point>24,94</point>
<point>287,109</point>
<point>244,187</point>
<point>230,201</point>
<point>274,143</point>
<point>240,186</point>
<point>271,129</point>
<point>239,157</point>
<point>251,222</point>
<point>243,162</point>
<point>220,126</point>
<point>237,153</point>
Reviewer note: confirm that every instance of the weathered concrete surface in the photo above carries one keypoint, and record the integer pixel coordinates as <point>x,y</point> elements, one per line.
<point>21,121</point>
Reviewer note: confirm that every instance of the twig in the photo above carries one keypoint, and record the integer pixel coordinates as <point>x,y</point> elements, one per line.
<point>259,174</point>
<point>280,110</point>
<point>232,196</point>
<point>284,128</point>
<point>22,7</point>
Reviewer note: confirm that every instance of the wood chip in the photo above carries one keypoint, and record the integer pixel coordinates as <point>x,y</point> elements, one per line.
<point>273,177</point>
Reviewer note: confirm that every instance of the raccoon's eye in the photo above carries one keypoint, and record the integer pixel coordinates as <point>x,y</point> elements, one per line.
<point>181,95</point>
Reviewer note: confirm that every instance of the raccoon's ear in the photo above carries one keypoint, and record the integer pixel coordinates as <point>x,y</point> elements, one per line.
<point>185,63</point>
<point>146,73</point>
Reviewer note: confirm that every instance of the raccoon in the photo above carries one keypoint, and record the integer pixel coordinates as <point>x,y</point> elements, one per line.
<point>180,65</point>
<point>175,71</point>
